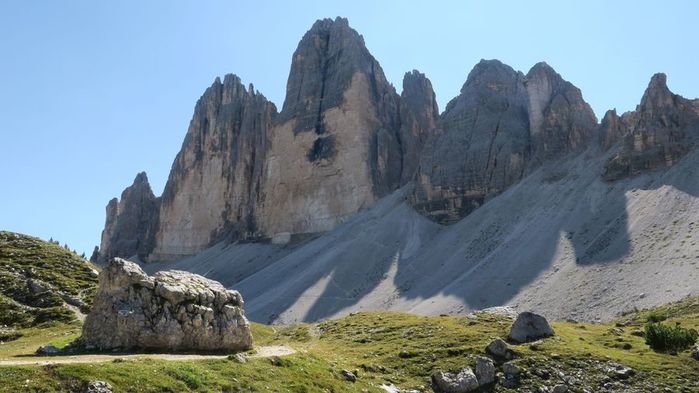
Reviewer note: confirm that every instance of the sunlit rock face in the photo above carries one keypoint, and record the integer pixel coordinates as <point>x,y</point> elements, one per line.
<point>335,147</point>
<point>501,126</point>
<point>246,172</point>
<point>662,129</point>
<point>214,183</point>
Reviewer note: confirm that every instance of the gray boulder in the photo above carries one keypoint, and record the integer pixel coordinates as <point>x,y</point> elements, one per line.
<point>500,350</point>
<point>529,327</point>
<point>463,382</point>
<point>485,370</point>
<point>170,311</point>
<point>695,353</point>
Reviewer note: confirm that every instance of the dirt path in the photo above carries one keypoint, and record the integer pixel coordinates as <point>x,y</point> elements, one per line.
<point>262,352</point>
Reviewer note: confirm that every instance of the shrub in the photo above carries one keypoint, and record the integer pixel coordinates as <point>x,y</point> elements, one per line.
<point>657,316</point>
<point>662,337</point>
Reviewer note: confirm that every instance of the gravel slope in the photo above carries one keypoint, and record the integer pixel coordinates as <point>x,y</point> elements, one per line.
<point>561,242</point>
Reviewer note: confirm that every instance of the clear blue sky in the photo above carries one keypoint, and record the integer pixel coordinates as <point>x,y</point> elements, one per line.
<point>92,92</point>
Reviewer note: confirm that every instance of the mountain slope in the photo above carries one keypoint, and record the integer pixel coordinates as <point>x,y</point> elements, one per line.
<point>562,242</point>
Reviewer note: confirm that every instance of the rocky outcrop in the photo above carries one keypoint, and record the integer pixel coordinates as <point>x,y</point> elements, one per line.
<point>214,183</point>
<point>335,147</point>
<point>131,223</point>
<point>418,115</point>
<point>664,127</point>
<point>502,125</point>
<point>171,311</point>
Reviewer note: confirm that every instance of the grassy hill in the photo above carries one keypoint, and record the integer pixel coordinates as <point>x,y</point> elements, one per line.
<point>41,282</point>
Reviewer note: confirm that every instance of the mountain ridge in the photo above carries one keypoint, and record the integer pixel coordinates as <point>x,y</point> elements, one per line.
<point>355,197</point>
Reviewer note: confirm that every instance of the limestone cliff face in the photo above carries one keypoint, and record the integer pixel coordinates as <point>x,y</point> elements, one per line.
<point>418,117</point>
<point>560,121</point>
<point>214,182</point>
<point>664,127</point>
<point>246,172</point>
<point>335,147</point>
<point>502,125</point>
<point>131,222</point>
<point>345,138</point>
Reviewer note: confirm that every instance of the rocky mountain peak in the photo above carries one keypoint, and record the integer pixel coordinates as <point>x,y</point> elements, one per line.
<point>141,184</point>
<point>419,114</point>
<point>131,222</point>
<point>657,94</point>
<point>560,120</point>
<point>498,129</point>
<point>322,68</point>
<point>664,127</point>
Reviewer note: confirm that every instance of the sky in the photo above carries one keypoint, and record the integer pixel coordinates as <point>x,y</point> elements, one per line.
<point>91,93</point>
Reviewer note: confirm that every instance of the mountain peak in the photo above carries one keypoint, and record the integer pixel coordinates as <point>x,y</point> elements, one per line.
<point>328,56</point>
<point>141,178</point>
<point>657,94</point>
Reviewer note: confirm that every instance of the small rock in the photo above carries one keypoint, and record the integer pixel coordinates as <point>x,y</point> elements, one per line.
<point>511,369</point>
<point>620,371</point>
<point>37,287</point>
<point>542,373</point>
<point>348,375</point>
<point>391,388</point>
<point>485,370</point>
<point>638,333</point>
<point>560,388</point>
<point>500,350</point>
<point>627,346</point>
<point>463,382</point>
<point>404,354</point>
<point>695,353</point>
<point>98,387</point>
<point>48,350</point>
<point>529,327</point>
<point>239,358</point>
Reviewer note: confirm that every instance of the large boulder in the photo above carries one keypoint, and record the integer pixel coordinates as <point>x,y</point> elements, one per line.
<point>529,327</point>
<point>172,310</point>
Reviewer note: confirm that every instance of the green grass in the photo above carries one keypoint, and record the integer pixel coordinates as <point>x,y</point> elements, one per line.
<point>64,273</point>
